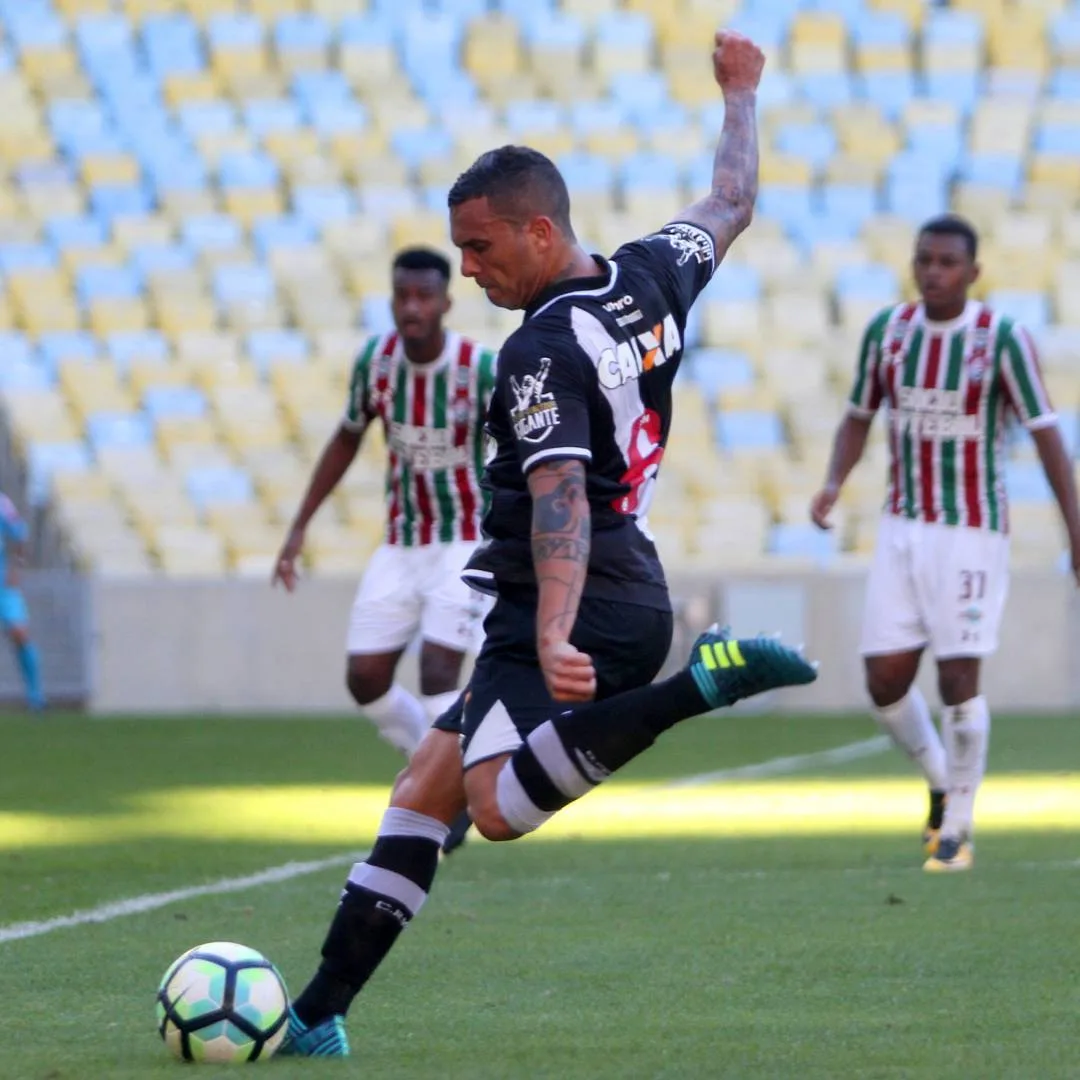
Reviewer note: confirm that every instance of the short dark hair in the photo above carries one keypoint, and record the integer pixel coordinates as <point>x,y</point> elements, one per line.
<point>519,182</point>
<point>421,258</point>
<point>953,225</point>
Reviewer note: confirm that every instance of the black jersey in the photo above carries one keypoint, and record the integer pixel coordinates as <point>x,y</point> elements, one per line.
<point>588,376</point>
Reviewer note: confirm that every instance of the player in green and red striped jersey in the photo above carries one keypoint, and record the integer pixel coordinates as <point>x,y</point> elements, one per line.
<point>429,387</point>
<point>952,374</point>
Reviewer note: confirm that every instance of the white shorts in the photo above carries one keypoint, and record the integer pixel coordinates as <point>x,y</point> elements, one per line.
<point>410,589</point>
<point>937,585</point>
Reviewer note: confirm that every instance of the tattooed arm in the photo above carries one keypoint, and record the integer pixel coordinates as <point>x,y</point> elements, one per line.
<point>726,210</point>
<point>561,532</point>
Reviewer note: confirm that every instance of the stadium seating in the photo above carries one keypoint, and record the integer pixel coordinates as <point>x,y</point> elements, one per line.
<point>199,201</point>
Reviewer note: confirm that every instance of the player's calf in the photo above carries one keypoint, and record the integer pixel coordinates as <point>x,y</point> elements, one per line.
<point>566,757</point>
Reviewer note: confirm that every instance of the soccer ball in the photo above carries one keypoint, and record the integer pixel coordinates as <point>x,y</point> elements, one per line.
<point>222,1002</point>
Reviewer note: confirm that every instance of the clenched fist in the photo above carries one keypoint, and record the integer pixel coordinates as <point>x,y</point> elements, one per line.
<point>737,62</point>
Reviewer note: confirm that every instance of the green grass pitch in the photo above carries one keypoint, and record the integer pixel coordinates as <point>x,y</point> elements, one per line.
<point>769,927</point>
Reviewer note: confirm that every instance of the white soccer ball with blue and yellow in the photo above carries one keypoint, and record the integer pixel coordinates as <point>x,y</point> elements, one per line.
<point>222,1002</point>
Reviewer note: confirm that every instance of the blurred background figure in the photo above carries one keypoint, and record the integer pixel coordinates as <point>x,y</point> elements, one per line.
<point>13,614</point>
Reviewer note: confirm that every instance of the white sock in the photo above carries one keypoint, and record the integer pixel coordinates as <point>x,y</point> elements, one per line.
<point>909,724</point>
<point>400,718</point>
<point>966,729</point>
<point>436,704</point>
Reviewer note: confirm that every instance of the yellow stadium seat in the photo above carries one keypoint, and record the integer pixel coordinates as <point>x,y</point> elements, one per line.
<point>1058,169</point>
<point>620,59</point>
<point>777,168</point>
<point>178,205</point>
<point>248,204</point>
<point>84,7</point>
<point>981,205</point>
<point>589,10</point>
<point>213,146</point>
<point>54,200</point>
<point>290,147</point>
<point>395,113</point>
<point>130,232</point>
<point>813,58</point>
<point>844,169</point>
<point>115,316</point>
<point>233,65</point>
<point>271,10</point>
<point>203,10</point>
<point>492,48</point>
<point>94,387</point>
<point>1029,231</point>
<point>932,111</point>
<point>1001,126</point>
<point>7,314</point>
<point>951,56</point>
<point>40,315</point>
<point>109,169</point>
<point>26,147</point>
<point>63,84</point>
<point>39,62</point>
<point>1069,232</point>
<point>912,10</point>
<point>375,167</point>
<point>877,58</point>
<point>143,375</point>
<point>1051,197</point>
<point>137,10</point>
<point>369,66</point>
<point>1058,111</point>
<point>613,142</point>
<point>25,285</point>
<point>174,314</point>
<point>356,238</point>
<point>184,87</point>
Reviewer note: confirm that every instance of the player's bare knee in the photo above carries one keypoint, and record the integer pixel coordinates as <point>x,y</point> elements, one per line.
<point>440,669</point>
<point>886,683</point>
<point>367,681</point>
<point>958,681</point>
<point>490,823</point>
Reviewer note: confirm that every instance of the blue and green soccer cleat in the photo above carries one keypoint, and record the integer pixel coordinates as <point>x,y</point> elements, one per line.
<point>727,670</point>
<point>327,1039</point>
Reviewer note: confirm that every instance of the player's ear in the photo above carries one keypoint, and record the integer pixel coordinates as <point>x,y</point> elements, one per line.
<point>542,230</point>
<point>447,303</point>
<point>973,275</point>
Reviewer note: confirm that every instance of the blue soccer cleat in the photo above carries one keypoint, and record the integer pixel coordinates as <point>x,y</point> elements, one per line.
<point>327,1039</point>
<point>727,670</point>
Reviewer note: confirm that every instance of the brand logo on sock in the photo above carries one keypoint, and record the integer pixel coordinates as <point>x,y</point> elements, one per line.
<point>394,911</point>
<point>591,769</point>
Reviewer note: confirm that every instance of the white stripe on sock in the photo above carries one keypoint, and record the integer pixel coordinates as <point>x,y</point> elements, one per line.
<point>390,884</point>
<point>517,809</point>
<point>555,761</point>
<point>398,822</point>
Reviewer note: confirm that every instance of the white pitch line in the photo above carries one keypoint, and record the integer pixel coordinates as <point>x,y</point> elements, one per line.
<point>781,766</point>
<point>137,905</point>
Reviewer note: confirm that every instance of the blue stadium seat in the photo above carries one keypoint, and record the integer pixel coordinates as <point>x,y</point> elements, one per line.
<point>767,26</point>
<point>172,44</point>
<point>214,485</point>
<point>261,117</point>
<point>441,87</point>
<point>587,173</point>
<point>1025,481</point>
<point>1065,82</point>
<point>947,27</point>
<point>15,348</point>
<point>890,91</point>
<point>118,429</point>
<point>1028,307</point>
<point>369,29</point>
<point>271,233</point>
<point>161,258</point>
<point>936,141</point>
<point>749,430</point>
<point>269,346</point>
<point>828,89</point>
<point>916,199</point>
<point>75,232</point>
<point>107,283</point>
<point>715,370</point>
<point>206,118</point>
<point>430,41</point>
<point>879,28</point>
<point>534,116</point>
<point>597,115</point>
<point>810,232</point>
<point>316,87</point>
<point>143,345</point>
<point>790,204</point>
<point>321,204</point>
<point>70,118</point>
<point>734,281</point>
<point>994,170</point>
<point>26,257</point>
<point>868,281</point>
<point>211,232</point>
<point>416,145</point>
<point>1058,139</point>
<point>302,31</point>
<point>960,88</point>
<point>35,29</point>
<point>375,315</point>
<point>163,402</point>
<point>234,31</point>
<point>921,166</point>
<point>556,31</point>
<point>19,375</point>
<point>247,170</point>
<point>110,201</point>
<point>776,88</point>
<point>332,117</point>
<point>803,541</point>
<point>815,143</point>
<point>849,202</point>
<point>241,283</point>
<point>67,345</point>
<point>847,9</point>
<point>44,460</point>
<point>178,174</point>
<point>649,171</point>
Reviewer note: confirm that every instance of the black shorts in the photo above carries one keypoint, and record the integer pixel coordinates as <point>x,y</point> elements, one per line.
<point>507,697</point>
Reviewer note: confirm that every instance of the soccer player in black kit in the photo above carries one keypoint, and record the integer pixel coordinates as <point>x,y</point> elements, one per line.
<point>562,693</point>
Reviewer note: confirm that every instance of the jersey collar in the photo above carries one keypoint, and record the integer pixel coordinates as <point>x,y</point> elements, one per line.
<point>451,345</point>
<point>582,286</point>
<point>965,316</point>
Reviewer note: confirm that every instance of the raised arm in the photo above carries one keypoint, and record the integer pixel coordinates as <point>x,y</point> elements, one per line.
<point>729,206</point>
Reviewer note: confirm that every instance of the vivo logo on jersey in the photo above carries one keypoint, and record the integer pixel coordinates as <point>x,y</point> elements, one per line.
<point>619,305</point>
<point>632,358</point>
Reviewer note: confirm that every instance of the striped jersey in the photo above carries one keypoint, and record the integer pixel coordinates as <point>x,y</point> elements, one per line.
<point>433,416</point>
<point>950,389</point>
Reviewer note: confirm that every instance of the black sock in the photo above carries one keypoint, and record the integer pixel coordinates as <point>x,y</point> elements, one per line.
<point>381,898</point>
<point>570,754</point>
